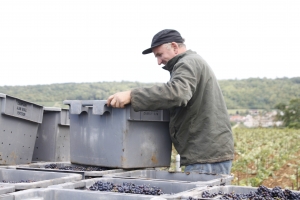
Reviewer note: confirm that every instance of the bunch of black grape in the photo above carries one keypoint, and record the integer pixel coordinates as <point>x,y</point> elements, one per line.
<point>51,166</point>
<point>206,194</point>
<point>126,188</point>
<point>76,168</point>
<point>21,181</point>
<point>262,193</point>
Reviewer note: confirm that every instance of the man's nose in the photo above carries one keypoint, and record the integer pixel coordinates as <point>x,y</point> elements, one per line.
<point>159,61</point>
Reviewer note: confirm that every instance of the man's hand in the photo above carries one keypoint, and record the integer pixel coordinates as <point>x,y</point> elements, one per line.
<point>119,100</point>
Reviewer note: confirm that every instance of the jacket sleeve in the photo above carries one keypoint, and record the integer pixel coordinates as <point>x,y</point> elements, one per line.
<point>176,92</point>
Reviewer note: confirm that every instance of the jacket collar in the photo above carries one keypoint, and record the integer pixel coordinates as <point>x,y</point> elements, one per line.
<point>170,64</point>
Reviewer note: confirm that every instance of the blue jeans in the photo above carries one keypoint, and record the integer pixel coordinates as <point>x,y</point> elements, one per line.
<point>211,168</point>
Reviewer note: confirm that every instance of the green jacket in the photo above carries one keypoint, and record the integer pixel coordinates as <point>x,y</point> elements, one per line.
<point>199,124</point>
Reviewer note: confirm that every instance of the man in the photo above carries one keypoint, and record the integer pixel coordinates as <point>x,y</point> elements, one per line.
<point>199,125</point>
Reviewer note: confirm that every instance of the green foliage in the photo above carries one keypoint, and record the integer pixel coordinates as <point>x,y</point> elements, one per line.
<point>261,151</point>
<point>255,181</point>
<point>256,93</point>
<point>55,94</point>
<point>241,95</point>
<point>291,113</point>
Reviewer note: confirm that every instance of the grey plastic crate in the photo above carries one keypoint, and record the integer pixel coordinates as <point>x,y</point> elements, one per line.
<point>172,190</point>
<point>86,174</point>
<point>197,194</point>
<point>6,189</point>
<point>199,178</point>
<point>118,138</point>
<point>19,122</point>
<point>53,136</point>
<point>42,179</point>
<point>65,194</point>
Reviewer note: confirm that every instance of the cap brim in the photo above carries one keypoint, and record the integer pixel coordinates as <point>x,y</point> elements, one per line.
<point>147,51</point>
<point>150,49</point>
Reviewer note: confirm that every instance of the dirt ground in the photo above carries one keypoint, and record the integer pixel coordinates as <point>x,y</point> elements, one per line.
<point>285,177</point>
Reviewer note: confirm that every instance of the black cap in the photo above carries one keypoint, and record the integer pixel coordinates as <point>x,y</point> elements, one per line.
<point>164,36</point>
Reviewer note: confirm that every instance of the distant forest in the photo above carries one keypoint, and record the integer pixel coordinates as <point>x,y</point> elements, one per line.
<point>252,93</point>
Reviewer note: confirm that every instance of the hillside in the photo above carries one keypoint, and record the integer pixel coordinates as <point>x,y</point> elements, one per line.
<point>252,93</point>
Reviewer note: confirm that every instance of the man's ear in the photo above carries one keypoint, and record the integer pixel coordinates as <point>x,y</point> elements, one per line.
<point>174,45</point>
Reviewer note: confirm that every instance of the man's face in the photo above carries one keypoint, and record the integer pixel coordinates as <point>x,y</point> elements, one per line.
<point>163,54</point>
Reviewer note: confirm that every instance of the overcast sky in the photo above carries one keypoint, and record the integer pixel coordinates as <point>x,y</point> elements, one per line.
<point>59,41</point>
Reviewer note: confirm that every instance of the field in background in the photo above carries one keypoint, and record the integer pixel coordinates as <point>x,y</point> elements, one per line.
<point>266,156</point>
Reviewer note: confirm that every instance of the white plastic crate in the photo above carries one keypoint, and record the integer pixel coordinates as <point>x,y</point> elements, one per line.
<point>199,178</point>
<point>40,166</point>
<point>41,179</point>
<point>65,194</point>
<point>6,189</point>
<point>171,190</point>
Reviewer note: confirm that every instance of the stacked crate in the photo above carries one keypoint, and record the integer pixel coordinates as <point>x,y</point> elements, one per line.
<point>19,122</point>
<point>53,136</point>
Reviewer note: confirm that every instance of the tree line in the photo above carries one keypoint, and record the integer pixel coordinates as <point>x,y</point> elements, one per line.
<point>252,93</point>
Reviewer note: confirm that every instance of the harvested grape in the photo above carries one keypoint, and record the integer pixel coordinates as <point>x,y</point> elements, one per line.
<point>126,187</point>
<point>262,193</point>
<point>76,168</point>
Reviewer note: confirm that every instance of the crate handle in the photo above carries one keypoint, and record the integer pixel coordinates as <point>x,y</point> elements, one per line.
<point>77,106</point>
<point>100,107</point>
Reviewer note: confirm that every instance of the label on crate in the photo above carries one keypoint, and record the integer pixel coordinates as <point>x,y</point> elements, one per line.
<point>22,109</point>
<point>155,115</point>
<point>151,115</point>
